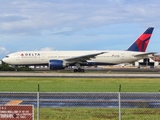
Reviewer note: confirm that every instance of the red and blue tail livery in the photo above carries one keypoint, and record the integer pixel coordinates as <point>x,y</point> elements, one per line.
<point>142,42</point>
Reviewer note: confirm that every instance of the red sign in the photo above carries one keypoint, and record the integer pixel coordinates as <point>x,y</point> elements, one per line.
<point>19,112</point>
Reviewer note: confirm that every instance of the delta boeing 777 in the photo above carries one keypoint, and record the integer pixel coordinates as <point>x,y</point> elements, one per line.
<point>61,59</point>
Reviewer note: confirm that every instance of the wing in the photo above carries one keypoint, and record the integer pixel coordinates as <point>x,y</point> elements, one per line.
<point>83,58</point>
<point>145,54</point>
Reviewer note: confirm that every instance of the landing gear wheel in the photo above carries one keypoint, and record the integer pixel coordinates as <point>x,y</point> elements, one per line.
<point>82,70</point>
<point>78,70</point>
<point>75,70</point>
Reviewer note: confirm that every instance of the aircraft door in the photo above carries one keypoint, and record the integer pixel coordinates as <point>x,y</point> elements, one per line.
<point>122,57</point>
<point>42,58</point>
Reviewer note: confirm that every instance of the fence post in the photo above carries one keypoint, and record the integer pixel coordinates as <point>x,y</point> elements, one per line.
<point>38,113</point>
<point>119,99</point>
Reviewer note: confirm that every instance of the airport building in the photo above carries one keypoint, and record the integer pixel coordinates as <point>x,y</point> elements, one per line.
<point>148,62</point>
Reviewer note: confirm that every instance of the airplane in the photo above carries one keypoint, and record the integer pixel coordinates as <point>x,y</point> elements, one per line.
<point>57,60</point>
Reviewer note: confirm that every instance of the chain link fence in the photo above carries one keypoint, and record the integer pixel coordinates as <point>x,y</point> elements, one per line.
<point>76,105</point>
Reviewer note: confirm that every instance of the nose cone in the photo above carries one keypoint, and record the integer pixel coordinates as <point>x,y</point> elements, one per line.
<point>5,60</point>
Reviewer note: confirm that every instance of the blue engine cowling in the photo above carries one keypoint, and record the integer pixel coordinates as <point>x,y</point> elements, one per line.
<point>57,64</point>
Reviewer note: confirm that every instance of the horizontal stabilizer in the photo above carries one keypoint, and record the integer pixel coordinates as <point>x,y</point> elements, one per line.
<point>145,54</point>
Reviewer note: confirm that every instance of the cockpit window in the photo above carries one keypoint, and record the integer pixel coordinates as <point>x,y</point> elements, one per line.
<point>7,56</point>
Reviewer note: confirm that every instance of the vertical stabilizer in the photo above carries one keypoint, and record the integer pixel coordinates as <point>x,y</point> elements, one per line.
<point>142,42</point>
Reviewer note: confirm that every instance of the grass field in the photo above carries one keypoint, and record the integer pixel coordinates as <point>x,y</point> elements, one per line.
<point>98,114</point>
<point>30,84</point>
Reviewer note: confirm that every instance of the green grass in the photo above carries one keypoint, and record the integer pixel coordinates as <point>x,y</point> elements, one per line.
<point>98,114</point>
<point>30,84</point>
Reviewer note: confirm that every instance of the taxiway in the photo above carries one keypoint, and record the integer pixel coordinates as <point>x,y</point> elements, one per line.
<point>81,75</point>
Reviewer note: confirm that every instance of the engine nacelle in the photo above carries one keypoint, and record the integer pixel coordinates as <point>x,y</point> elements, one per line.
<point>57,64</point>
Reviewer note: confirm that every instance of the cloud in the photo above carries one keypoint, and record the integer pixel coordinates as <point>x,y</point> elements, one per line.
<point>74,24</point>
<point>35,17</point>
<point>47,49</point>
<point>11,18</point>
<point>3,51</point>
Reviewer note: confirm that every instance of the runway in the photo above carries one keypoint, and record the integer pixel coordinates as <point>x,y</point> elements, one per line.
<point>80,75</point>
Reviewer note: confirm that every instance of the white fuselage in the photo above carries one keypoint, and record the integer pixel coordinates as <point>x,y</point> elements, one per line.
<point>43,57</point>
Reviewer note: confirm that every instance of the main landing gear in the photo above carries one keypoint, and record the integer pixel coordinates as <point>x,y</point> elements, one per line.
<point>79,70</point>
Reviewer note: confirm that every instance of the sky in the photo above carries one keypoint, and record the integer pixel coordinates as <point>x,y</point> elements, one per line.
<point>30,25</point>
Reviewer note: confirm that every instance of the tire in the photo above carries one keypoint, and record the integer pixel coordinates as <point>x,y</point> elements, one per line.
<point>75,70</point>
<point>82,70</point>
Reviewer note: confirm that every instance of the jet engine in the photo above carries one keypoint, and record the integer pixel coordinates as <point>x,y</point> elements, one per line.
<point>57,64</point>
